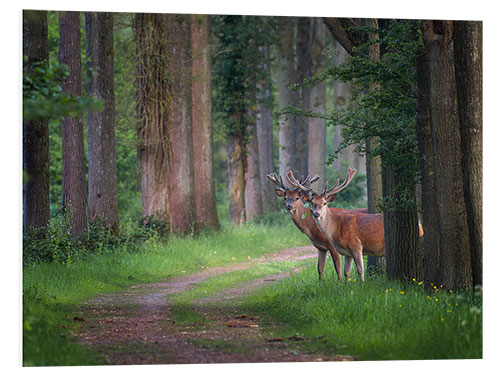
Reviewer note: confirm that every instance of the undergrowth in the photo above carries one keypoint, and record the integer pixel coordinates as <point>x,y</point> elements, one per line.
<point>375,320</point>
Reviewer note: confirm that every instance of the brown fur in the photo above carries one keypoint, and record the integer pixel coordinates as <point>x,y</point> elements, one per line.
<point>302,217</point>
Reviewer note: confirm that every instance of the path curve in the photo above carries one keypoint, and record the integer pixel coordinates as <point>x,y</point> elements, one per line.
<point>135,326</point>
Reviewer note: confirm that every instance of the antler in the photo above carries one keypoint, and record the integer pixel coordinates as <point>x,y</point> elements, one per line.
<point>304,182</point>
<point>277,180</point>
<point>335,189</point>
<point>300,185</point>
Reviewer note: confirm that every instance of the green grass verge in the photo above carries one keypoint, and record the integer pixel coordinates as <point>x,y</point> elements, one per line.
<point>52,291</point>
<point>377,320</point>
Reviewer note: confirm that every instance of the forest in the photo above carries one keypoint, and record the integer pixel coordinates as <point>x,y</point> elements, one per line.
<point>148,134</point>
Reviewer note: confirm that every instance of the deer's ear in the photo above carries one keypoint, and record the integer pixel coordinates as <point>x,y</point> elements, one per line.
<point>280,192</point>
<point>331,198</point>
<point>305,197</point>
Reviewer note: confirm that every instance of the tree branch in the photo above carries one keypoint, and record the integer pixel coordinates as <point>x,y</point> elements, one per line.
<point>338,27</point>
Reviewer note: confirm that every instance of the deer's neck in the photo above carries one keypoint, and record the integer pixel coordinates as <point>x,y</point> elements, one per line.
<point>302,219</point>
<point>328,225</point>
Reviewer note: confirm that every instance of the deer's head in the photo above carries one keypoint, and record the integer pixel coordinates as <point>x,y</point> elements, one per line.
<point>319,202</point>
<point>292,197</point>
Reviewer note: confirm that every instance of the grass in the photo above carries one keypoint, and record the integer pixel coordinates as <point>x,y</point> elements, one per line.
<point>52,291</point>
<point>377,320</point>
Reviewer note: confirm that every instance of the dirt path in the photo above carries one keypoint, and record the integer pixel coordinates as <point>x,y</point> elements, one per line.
<point>137,326</point>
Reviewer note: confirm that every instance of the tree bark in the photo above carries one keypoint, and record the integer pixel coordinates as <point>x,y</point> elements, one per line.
<point>36,203</point>
<point>455,257</point>
<point>152,115</point>
<point>303,51</point>
<point>317,103</point>
<point>236,175</point>
<point>401,234</point>
<point>180,166</point>
<point>206,208</point>
<point>430,223</point>
<point>467,39</point>
<point>253,198</point>
<point>287,74</point>
<point>373,163</point>
<point>103,195</point>
<point>264,124</point>
<point>74,184</point>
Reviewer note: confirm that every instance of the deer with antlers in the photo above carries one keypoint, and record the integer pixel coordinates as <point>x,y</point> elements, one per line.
<point>302,217</point>
<point>352,234</point>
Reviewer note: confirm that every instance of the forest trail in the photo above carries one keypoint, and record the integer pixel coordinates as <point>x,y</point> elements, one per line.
<point>137,326</point>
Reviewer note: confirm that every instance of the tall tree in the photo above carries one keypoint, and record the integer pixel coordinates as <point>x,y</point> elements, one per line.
<point>455,257</point>
<point>103,196</point>
<point>373,162</point>
<point>431,245</point>
<point>180,166</point>
<point>287,74</point>
<point>74,186</point>
<point>303,51</point>
<point>253,189</point>
<point>468,53</point>
<point>36,206</point>
<point>152,114</point>
<point>206,209</point>
<point>317,103</point>
<point>264,124</point>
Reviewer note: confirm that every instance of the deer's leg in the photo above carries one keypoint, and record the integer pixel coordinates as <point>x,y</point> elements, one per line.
<point>347,267</point>
<point>321,263</point>
<point>358,259</point>
<point>336,263</point>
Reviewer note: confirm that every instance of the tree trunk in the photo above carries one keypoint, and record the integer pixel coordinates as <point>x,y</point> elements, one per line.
<point>236,175</point>
<point>430,223</point>
<point>317,103</point>
<point>402,244</point>
<point>253,199</point>
<point>264,124</point>
<point>373,163</point>
<point>180,166</point>
<point>103,195</point>
<point>36,203</point>
<point>206,208</point>
<point>152,114</point>
<point>455,257</point>
<point>467,39</point>
<point>287,74</point>
<point>74,184</point>
<point>304,62</point>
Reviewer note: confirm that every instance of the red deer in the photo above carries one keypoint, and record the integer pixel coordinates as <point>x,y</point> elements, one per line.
<point>302,217</point>
<point>352,235</point>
